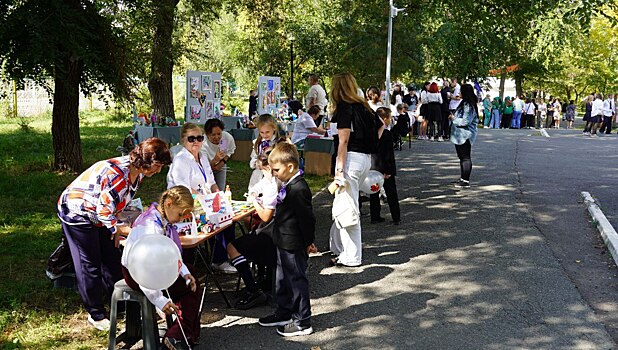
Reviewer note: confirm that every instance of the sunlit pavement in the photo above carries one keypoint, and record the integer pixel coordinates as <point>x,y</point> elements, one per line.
<point>512,262</point>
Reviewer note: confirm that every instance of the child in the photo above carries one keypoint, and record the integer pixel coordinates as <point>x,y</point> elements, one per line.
<point>176,203</point>
<point>257,247</point>
<point>402,128</point>
<point>293,235</point>
<point>384,162</point>
<point>267,128</point>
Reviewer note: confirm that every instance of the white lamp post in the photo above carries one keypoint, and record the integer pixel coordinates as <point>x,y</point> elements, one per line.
<point>393,11</point>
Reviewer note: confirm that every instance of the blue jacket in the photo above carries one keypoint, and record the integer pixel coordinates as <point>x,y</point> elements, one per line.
<point>464,124</point>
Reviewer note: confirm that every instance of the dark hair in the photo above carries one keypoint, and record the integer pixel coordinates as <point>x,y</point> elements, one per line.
<point>314,77</point>
<point>149,152</point>
<point>383,112</point>
<point>314,110</point>
<point>468,96</point>
<point>213,123</point>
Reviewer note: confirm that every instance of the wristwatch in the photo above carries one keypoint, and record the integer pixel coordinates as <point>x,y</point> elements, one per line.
<point>339,170</point>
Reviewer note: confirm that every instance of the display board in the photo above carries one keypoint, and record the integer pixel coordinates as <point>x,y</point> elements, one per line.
<point>269,95</point>
<point>203,96</point>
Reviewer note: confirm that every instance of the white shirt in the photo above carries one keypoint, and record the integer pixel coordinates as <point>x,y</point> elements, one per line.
<point>317,92</point>
<point>518,105</point>
<point>456,92</point>
<point>148,228</point>
<point>254,155</point>
<point>424,97</point>
<point>375,106</point>
<point>227,142</point>
<point>608,111</point>
<point>434,97</point>
<point>529,108</point>
<point>597,107</point>
<point>303,127</point>
<point>543,108</point>
<point>268,188</point>
<point>187,172</point>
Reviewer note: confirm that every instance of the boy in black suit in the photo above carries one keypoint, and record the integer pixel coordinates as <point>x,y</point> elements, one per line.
<point>293,234</point>
<point>384,162</point>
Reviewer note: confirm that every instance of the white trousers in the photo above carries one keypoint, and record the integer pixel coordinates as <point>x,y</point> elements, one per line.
<point>346,242</point>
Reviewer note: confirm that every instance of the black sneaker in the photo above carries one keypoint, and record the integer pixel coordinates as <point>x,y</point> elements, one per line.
<point>462,184</point>
<point>293,330</point>
<point>250,300</point>
<point>274,320</point>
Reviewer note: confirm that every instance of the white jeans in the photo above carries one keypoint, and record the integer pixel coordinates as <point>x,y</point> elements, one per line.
<point>346,243</point>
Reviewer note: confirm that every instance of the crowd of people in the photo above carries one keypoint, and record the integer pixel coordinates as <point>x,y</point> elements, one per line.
<point>366,133</point>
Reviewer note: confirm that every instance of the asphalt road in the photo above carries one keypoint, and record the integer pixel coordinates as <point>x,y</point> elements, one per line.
<point>511,263</point>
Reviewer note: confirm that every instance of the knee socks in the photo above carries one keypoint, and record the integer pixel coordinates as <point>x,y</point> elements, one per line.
<point>241,264</point>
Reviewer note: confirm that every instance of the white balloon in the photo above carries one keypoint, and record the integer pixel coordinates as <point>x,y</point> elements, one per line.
<point>373,182</point>
<point>154,261</point>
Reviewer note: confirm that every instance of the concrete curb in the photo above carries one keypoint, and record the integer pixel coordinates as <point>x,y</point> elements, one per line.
<point>610,237</point>
<point>544,132</point>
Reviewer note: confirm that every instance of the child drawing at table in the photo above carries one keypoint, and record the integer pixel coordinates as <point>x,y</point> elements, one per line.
<point>267,137</point>
<point>176,204</point>
<point>257,247</point>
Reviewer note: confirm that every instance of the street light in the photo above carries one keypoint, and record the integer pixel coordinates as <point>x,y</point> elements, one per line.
<point>291,38</point>
<point>392,13</point>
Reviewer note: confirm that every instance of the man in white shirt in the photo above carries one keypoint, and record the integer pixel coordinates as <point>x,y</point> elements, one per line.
<point>595,116</point>
<point>305,125</point>
<point>455,95</point>
<point>609,109</point>
<point>316,96</point>
<point>518,109</point>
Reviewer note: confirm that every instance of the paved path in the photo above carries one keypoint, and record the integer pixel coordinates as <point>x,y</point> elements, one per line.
<point>507,264</point>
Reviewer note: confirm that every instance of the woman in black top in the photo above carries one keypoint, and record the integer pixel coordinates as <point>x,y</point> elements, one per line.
<point>358,138</point>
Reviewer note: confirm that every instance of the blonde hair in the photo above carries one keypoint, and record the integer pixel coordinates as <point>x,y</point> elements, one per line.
<point>284,153</point>
<point>345,89</point>
<point>264,120</point>
<point>188,127</point>
<point>180,196</point>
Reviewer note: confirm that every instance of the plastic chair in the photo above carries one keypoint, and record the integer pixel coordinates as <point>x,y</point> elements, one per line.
<point>149,331</point>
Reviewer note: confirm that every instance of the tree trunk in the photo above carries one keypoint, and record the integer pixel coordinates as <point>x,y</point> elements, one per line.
<point>65,115</point>
<point>519,80</point>
<point>162,64</point>
<point>502,80</point>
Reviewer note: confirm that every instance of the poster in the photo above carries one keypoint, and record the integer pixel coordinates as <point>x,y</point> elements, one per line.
<point>217,89</point>
<point>195,84</point>
<point>196,111</point>
<point>217,109</point>
<point>209,111</point>
<point>201,88</point>
<point>269,95</point>
<point>206,82</point>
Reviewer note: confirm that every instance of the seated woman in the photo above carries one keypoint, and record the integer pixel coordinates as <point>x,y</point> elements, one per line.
<point>218,146</point>
<point>191,168</point>
<point>184,295</point>
<point>305,125</point>
<point>257,247</point>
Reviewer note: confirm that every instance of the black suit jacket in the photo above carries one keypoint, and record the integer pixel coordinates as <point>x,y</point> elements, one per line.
<point>384,160</point>
<point>294,220</point>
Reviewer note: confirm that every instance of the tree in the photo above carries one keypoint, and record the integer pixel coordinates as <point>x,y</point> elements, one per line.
<point>71,41</point>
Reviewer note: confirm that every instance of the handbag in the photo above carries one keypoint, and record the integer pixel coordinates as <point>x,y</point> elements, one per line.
<point>344,209</point>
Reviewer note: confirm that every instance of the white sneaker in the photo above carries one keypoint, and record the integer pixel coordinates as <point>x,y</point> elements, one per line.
<point>224,267</point>
<point>432,139</point>
<point>440,139</point>
<point>102,325</point>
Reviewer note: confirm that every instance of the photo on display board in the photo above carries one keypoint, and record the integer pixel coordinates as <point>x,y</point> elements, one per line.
<point>264,86</point>
<point>278,86</point>
<point>194,87</point>
<point>217,110</point>
<point>195,112</point>
<point>209,112</point>
<point>271,84</point>
<point>206,82</point>
<point>217,89</point>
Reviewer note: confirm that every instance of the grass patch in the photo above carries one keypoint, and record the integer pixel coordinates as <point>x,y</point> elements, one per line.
<point>33,315</point>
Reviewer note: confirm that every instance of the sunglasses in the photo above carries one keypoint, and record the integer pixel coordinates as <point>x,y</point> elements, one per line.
<point>192,139</point>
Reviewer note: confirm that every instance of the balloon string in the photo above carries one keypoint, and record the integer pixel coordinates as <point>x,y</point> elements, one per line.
<point>180,324</point>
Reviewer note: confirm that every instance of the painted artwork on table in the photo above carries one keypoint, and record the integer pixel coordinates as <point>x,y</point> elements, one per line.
<point>195,86</point>
<point>217,89</point>
<point>206,82</point>
<point>195,112</point>
<point>209,112</point>
<point>216,108</point>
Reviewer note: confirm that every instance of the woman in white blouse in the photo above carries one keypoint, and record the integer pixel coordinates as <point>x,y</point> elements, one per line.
<point>219,146</point>
<point>190,167</point>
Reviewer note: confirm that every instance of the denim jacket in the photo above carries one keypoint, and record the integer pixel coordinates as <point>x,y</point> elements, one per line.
<point>464,125</point>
